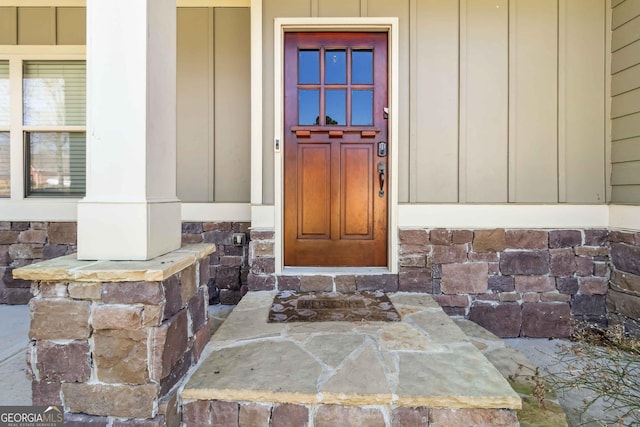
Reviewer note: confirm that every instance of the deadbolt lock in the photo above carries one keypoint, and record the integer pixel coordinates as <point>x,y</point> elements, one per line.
<point>382,149</point>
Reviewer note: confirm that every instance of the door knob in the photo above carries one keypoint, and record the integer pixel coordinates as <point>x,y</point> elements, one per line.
<point>382,168</point>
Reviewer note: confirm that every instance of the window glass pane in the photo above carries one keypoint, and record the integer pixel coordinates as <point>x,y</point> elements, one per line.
<point>4,164</point>
<point>309,67</point>
<point>336,106</point>
<point>56,163</point>
<point>362,67</point>
<point>362,108</point>
<point>4,93</point>
<point>54,93</point>
<point>308,107</point>
<point>335,67</point>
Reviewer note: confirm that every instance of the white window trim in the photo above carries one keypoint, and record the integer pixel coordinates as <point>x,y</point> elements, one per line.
<point>17,206</point>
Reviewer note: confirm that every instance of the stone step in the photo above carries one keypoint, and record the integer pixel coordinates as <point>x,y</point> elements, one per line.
<point>339,373</point>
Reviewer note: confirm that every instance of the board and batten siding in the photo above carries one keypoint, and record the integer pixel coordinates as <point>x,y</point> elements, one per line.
<point>501,101</point>
<point>213,90</point>
<point>43,25</point>
<point>625,101</point>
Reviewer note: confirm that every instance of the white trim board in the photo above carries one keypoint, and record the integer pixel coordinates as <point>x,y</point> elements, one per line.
<point>256,102</point>
<point>505,216</point>
<point>213,212</point>
<point>622,217</point>
<point>39,209</point>
<point>263,217</point>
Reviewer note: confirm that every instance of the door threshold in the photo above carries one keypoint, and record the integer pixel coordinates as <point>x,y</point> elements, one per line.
<point>334,271</point>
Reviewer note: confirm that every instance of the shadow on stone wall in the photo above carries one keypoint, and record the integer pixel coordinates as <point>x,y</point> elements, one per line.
<point>623,298</point>
<point>23,243</point>
<point>229,265</point>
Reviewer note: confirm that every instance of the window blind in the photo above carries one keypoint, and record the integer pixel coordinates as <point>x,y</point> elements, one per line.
<point>4,93</point>
<point>4,165</point>
<point>54,93</point>
<point>57,163</point>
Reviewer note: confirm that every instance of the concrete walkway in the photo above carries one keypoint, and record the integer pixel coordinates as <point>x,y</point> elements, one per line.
<point>544,353</point>
<point>15,387</point>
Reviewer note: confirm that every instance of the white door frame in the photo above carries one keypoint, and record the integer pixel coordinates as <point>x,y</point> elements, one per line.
<point>389,25</point>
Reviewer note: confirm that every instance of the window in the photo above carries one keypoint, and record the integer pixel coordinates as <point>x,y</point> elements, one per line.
<point>4,130</point>
<point>338,81</point>
<point>54,95</point>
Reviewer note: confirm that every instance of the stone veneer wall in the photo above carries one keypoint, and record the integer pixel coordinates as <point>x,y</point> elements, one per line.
<point>115,353</point>
<point>22,243</point>
<point>623,298</point>
<point>528,283</point>
<point>229,266</point>
<point>262,277</point>
<point>572,267</point>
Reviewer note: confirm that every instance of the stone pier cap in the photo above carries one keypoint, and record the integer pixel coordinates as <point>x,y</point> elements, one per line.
<point>69,268</point>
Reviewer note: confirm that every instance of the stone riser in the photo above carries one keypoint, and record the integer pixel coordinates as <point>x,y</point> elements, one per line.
<point>202,413</point>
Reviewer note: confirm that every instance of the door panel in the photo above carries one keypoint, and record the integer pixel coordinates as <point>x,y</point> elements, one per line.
<point>314,191</point>
<point>356,191</point>
<point>335,200</point>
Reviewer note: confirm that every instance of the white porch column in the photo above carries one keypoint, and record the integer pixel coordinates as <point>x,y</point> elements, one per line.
<point>131,211</point>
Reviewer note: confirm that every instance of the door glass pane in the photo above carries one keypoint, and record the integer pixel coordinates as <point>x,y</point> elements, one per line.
<point>362,67</point>
<point>4,164</point>
<point>56,161</point>
<point>336,106</point>
<point>362,107</point>
<point>54,93</point>
<point>335,67</point>
<point>308,107</point>
<point>309,67</point>
<point>4,93</point>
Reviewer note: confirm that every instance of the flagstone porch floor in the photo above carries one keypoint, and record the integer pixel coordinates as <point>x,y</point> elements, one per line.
<point>341,373</point>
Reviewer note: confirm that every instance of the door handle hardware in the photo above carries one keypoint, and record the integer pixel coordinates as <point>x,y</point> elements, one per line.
<point>382,168</point>
<point>382,149</point>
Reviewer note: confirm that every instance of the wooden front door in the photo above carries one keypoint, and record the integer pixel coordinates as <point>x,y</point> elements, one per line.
<point>335,149</point>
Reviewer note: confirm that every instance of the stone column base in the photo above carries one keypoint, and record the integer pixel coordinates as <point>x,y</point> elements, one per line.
<point>112,341</point>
